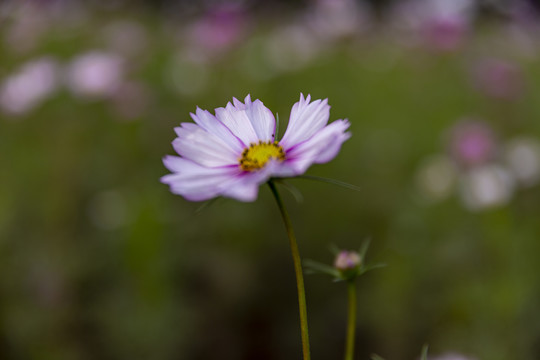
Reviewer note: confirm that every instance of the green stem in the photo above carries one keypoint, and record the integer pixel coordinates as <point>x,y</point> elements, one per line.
<point>297,270</point>
<point>351,321</point>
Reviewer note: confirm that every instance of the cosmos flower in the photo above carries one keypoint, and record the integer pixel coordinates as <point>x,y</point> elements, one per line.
<point>95,74</point>
<point>232,153</point>
<point>36,81</point>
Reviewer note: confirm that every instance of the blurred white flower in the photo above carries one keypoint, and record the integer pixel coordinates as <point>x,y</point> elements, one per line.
<point>522,156</point>
<point>95,74</point>
<point>33,83</point>
<point>486,186</point>
<point>483,170</point>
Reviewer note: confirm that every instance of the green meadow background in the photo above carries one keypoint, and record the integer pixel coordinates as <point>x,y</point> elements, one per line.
<point>98,260</point>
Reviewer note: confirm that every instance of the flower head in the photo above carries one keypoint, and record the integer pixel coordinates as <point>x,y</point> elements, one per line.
<point>347,260</point>
<point>234,151</point>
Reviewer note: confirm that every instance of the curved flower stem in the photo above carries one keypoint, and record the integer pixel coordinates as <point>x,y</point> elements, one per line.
<point>351,321</point>
<point>297,269</point>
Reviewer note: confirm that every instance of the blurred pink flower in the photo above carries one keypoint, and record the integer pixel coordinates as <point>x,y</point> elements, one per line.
<point>95,74</point>
<point>440,25</point>
<point>444,34</point>
<point>472,143</point>
<point>33,83</point>
<point>217,30</point>
<point>498,79</point>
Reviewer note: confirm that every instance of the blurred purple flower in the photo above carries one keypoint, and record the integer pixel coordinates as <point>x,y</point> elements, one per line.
<point>218,30</point>
<point>472,143</point>
<point>95,74</point>
<point>32,84</point>
<point>232,153</point>
<point>444,34</point>
<point>499,79</point>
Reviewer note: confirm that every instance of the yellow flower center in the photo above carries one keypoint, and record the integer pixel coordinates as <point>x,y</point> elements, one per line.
<point>256,156</point>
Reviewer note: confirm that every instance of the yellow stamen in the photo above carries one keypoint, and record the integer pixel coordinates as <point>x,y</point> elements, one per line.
<point>256,156</point>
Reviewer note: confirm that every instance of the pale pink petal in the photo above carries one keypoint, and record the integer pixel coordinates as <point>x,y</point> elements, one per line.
<point>305,120</point>
<point>246,187</point>
<point>202,147</point>
<point>196,182</point>
<point>261,118</point>
<point>212,125</point>
<point>238,122</point>
<point>242,190</point>
<point>320,148</point>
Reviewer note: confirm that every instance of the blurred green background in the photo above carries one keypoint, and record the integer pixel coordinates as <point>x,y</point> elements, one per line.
<point>98,260</point>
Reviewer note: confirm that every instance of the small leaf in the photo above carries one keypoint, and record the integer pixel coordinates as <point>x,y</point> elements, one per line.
<point>363,249</point>
<point>314,267</point>
<point>365,269</point>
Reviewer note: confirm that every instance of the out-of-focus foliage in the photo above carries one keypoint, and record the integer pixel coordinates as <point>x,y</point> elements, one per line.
<point>99,261</point>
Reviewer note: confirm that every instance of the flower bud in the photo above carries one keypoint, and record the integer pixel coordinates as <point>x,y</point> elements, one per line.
<point>347,260</point>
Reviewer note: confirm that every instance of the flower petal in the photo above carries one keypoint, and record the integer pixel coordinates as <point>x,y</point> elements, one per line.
<point>196,182</point>
<point>320,148</point>
<point>196,144</point>
<point>261,118</point>
<point>211,124</point>
<point>238,122</point>
<point>246,187</point>
<point>305,120</point>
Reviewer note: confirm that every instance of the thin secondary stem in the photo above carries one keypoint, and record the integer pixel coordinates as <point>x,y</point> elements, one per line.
<point>297,270</point>
<point>351,321</point>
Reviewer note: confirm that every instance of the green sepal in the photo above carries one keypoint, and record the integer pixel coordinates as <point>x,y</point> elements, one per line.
<point>315,267</point>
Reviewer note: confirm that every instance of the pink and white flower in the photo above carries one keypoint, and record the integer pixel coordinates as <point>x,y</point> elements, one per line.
<point>234,151</point>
